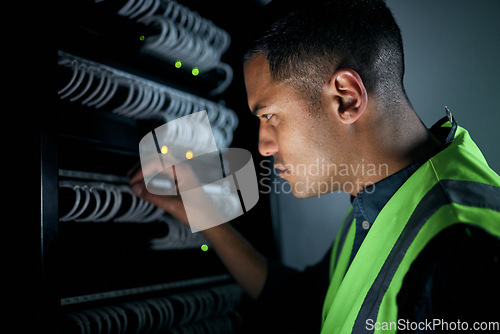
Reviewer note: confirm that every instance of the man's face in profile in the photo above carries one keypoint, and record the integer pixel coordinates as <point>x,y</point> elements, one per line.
<point>305,143</point>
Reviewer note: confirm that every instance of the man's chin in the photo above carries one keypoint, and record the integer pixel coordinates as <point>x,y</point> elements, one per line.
<point>301,192</point>
<point>300,189</point>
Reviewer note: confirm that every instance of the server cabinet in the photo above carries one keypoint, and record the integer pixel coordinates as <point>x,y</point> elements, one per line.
<point>111,262</point>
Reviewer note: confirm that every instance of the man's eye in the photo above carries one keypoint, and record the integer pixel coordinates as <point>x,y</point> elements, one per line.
<point>268,116</point>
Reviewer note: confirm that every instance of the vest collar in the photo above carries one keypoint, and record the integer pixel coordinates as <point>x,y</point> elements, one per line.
<point>368,203</point>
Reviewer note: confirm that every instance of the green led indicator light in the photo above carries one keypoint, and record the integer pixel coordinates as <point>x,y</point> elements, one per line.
<point>204,247</point>
<point>195,71</point>
<point>178,64</point>
<point>141,38</point>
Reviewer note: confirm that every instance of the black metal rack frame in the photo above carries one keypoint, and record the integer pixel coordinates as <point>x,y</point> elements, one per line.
<point>77,141</point>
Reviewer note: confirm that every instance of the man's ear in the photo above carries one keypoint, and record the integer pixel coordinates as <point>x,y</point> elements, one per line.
<point>348,91</point>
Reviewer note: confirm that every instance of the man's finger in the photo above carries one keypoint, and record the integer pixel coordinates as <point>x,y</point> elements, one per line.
<point>137,177</point>
<point>134,169</point>
<point>171,204</point>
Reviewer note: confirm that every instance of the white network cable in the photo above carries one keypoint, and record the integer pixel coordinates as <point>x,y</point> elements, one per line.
<point>96,85</point>
<point>184,37</point>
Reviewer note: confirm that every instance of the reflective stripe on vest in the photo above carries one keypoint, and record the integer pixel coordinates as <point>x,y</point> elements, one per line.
<point>455,186</point>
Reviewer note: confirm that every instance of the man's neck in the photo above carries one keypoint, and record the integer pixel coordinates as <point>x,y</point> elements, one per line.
<point>396,142</point>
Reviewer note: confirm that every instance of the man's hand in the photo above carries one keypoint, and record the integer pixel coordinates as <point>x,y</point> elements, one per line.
<point>171,204</point>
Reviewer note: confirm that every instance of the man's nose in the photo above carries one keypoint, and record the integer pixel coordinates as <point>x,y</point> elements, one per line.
<point>267,141</point>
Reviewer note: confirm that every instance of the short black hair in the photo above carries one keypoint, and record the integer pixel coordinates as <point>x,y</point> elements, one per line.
<point>305,42</point>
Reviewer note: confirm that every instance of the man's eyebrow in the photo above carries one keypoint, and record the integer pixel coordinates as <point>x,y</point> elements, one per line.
<point>256,109</point>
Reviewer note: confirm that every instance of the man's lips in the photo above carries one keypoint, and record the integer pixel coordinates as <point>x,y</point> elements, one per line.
<point>281,170</point>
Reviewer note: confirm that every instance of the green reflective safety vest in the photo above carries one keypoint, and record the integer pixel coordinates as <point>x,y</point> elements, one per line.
<point>456,186</point>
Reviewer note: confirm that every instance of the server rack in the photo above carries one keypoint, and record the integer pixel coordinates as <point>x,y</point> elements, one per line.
<point>111,262</point>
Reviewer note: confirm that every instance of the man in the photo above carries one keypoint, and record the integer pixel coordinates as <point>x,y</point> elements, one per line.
<point>419,249</point>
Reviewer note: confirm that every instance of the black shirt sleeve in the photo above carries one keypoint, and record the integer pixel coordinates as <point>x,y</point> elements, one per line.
<point>455,278</point>
<point>291,301</point>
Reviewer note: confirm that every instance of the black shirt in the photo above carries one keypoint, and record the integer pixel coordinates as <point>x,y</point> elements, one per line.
<point>456,277</point>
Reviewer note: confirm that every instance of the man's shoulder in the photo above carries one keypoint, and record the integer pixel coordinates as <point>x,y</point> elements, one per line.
<point>460,243</point>
<point>457,270</point>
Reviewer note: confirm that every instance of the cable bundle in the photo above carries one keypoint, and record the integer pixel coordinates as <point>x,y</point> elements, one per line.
<point>205,311</point>
<point>179,236</point>
<point>103,202</point>
<point>185,37</point>
<point>99,86</point>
